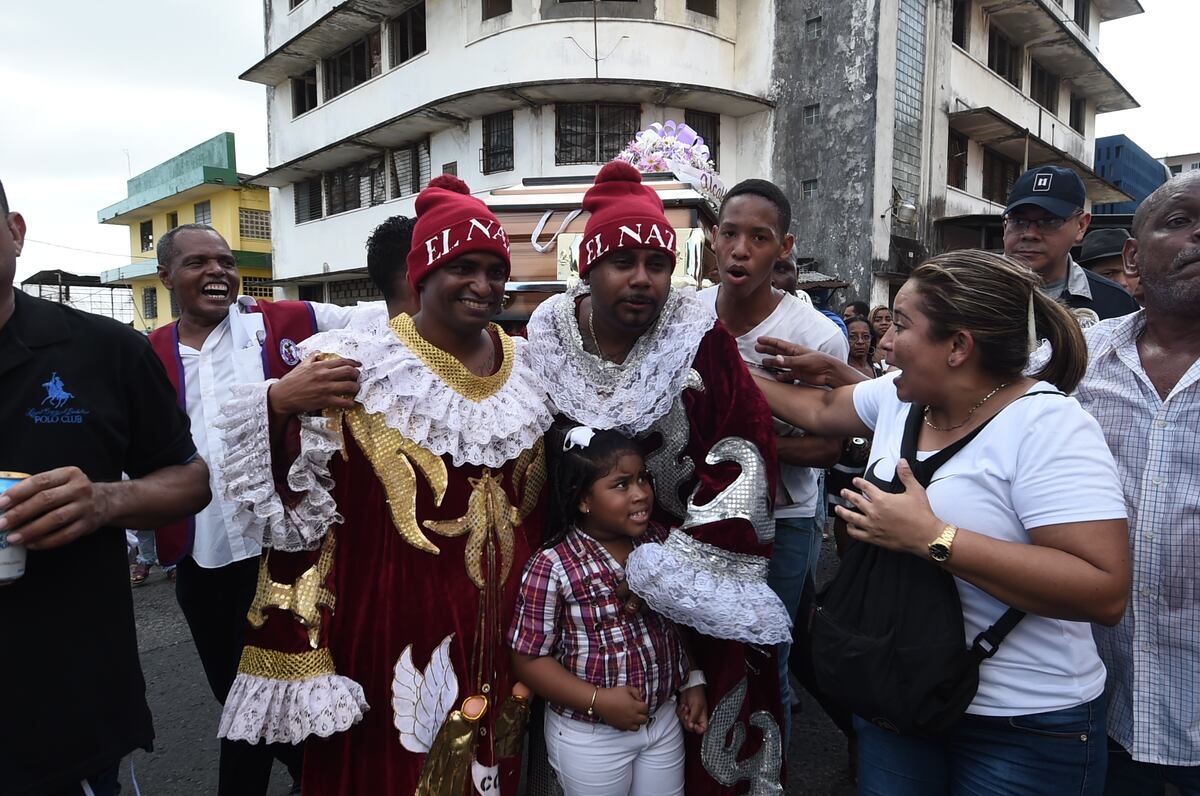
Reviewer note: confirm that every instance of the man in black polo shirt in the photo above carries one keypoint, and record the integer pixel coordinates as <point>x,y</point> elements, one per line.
<point>1043,220</point>
<point>84,400</point>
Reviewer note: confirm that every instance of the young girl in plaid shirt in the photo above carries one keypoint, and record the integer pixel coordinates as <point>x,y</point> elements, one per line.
<point>608,667</point>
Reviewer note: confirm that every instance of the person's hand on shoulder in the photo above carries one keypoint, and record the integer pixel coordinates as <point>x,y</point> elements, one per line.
<point>316,384</point>
<point>794,362</point>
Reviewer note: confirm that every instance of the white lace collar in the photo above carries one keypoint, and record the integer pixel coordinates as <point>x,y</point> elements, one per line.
<point>630,396</point>
<point>476,420</point>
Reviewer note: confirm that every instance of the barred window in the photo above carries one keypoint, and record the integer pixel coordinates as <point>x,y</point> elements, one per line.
<point>494,8</point>
<point>254,223</point>
<point>356,185</point>
<point>172,220</point>
<point>203,212</point>
<point>308,200</point>
<point>1004,57</point>
<point>348,292</point>
<point>304,92</point>
<point>174,305</point>
<point>497,151</point>
<point>149,303</point>
<point>407,34</point>
<point>814,28</point>
<point>257,287</point>
<point>1043,86</point>
<point>354,65</point>
<point>593,132</point>
<point>812,114</point>
<point>956,160</point>
<point>146,235</point>
<point>409,169</point>
<point>708,127</point>
<point>808,189</point>
<point>999,174</point>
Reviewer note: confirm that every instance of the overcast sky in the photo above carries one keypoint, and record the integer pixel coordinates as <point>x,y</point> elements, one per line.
<point>127,85</point>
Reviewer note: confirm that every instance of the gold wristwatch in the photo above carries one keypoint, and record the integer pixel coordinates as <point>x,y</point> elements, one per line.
<point>940,548</point>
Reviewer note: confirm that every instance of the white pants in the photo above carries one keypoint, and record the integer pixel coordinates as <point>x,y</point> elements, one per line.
<point>599,760</point>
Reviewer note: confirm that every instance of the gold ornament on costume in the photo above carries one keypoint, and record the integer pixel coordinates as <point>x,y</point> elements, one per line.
<point>529,476</point>
<point>448,368</point>
<point>448,763</point>
<point>304,598</point>
<point>488,509</point>
<point>275,665</point>
<point>392,456</point>
<point>510,726</point>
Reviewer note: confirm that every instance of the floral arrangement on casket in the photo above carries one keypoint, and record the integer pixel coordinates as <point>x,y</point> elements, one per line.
<point>676,148</point>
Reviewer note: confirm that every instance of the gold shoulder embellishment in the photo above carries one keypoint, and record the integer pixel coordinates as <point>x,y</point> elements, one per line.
<point>304,598</point>
<point>449,369</point>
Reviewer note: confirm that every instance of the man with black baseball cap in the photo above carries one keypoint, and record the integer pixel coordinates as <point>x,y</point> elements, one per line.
<point>1102,254</point>
<point>1044,218</point>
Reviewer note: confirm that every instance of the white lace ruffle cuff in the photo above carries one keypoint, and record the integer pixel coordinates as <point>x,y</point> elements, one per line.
<point>719,593</point>
<point>249,480</point>
<point>288,711</point>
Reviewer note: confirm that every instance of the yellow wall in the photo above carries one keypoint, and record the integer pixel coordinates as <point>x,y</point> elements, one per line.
<point>225,206</point>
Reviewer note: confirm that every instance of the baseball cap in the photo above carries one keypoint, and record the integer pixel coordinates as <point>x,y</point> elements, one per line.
<point>1055,189</point>
<point>1101,243</point>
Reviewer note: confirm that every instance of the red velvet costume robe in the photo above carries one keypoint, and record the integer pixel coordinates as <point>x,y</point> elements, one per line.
<point>711,448</point>
<point>364,641</point>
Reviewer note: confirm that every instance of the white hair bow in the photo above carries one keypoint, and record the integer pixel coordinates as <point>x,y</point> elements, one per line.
<point>578,437</point>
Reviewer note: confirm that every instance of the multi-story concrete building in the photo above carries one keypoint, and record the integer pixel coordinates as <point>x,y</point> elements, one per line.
<point>200,185</point>
<point>896,126</point>
<point>370,98</point>
<point>1177,164</point>
<point>1130,168</point>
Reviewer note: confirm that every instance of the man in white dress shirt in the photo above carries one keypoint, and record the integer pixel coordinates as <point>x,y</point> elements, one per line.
<point>221,340</point>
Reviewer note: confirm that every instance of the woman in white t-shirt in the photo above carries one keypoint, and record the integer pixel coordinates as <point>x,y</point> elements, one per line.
<point>1030,513</point>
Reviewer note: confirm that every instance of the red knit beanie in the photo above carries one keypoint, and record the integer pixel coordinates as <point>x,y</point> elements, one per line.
<point>625,214</point>
<point>451,223</point>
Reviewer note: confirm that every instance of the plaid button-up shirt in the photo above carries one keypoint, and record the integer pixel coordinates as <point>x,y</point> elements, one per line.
<point>1153,655</point>
<point>568,608</point>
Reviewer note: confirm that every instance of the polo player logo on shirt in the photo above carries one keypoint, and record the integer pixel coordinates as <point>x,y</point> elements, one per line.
<point>1041,182</point>
<point>1087,317</point>
<point>54,407</point>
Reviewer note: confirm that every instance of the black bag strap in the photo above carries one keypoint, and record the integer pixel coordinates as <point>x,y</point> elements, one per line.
<point>987,642</point>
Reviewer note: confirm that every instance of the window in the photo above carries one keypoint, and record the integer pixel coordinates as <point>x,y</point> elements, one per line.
<point>356,185</point>
<point>254,223</point>
<point>1043,86</point>
<point>1195,167</point>
<point>174,305</point>
<point>812,114</point>
<point>1004,57</point>
<point>708,127</point>
<point>146,235</point>
<point>149,303</point>
<point>808,189</point>
<point>956,161</point>
<point>407,34</point>
<point>1177,169</point>
<point>708,7</point>
<point>1083,15</point>
<point>1120,149</point>
<point>257,287</point>
<point>1078,113</point>
<point>410,169</point>
<point>593,132</point>
<point>496,154</point>
<point>494,8</point>
<point>353,66</point>
<point>304,92</point>
<point>450,168</point>
<point>293,3</point>
<point>172,220</point>
<point>203,212</point>
<point>999,174</point>
<point>308,200</point>
<point>814,28</point>
<point>959,30</point>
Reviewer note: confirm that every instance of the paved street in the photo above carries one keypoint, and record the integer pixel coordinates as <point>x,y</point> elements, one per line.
<point>185,715</point>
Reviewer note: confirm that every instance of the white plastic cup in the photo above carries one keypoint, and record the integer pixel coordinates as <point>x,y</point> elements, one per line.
<point>12,556</point>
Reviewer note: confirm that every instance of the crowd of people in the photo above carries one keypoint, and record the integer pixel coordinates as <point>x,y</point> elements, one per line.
<point>418,555</point>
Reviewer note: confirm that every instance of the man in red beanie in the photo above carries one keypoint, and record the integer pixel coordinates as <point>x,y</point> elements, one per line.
<point>625,350</point>
<point>398,529</point>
